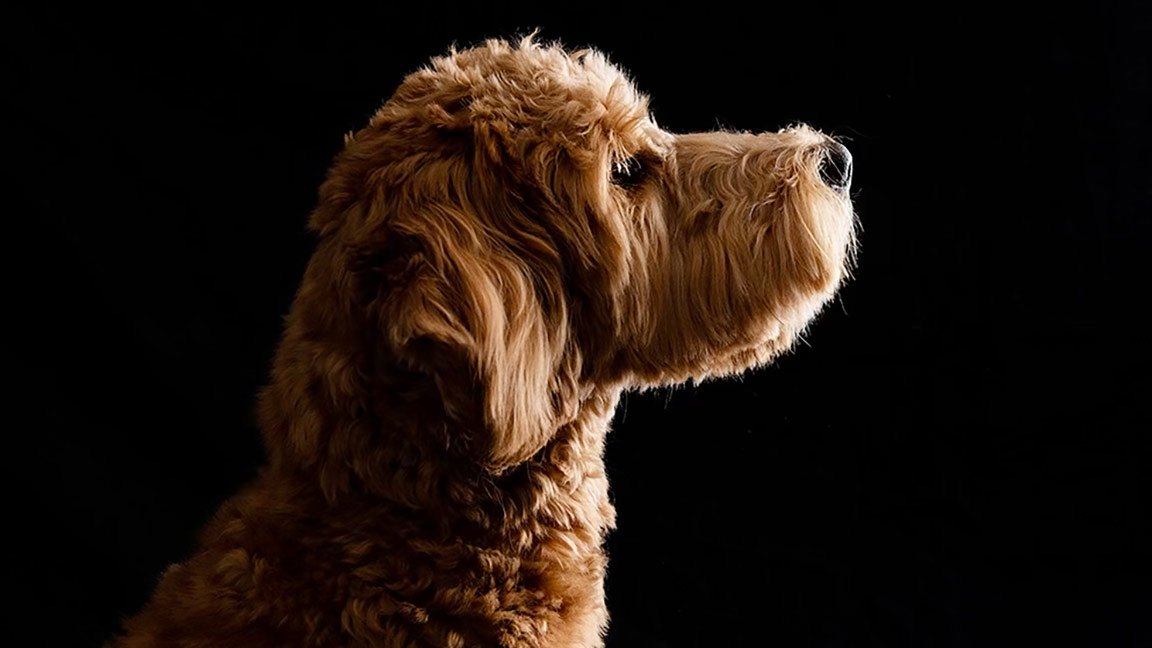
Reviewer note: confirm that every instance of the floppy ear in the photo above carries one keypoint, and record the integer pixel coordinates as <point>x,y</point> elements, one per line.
<point>474,300</point>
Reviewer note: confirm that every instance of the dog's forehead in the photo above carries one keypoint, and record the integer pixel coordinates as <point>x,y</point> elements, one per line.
<point>535,68</point>
<point>533,84</point>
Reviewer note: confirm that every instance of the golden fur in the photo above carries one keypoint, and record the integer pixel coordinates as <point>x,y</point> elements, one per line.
<point>508,245</point>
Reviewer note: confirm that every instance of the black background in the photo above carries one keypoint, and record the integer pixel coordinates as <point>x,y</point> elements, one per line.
<point>958,456</point>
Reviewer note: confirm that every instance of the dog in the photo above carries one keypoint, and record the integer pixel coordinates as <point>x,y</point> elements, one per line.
<point>508,245</point>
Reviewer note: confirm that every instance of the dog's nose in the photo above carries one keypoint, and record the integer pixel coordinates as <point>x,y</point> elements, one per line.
<point>836,167</point>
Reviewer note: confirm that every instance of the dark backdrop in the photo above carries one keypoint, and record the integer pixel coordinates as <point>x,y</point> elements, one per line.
<point>958,456</point>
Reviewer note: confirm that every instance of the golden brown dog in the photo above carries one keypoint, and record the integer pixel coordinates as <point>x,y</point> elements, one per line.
<point>508,245</point>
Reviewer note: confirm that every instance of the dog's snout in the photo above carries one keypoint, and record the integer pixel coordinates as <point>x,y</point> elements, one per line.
<point>836,167</point>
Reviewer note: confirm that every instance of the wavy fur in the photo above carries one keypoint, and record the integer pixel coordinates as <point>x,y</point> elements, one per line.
<point>481,293</point>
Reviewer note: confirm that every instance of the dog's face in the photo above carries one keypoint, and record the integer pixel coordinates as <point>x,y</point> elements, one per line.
<point>514,225</point>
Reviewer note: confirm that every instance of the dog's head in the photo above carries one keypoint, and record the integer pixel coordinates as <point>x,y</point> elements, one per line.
<point>513,226</point>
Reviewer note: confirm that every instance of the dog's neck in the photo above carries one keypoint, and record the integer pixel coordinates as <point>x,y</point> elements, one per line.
<point>364,434</point>
<point>364,453</point>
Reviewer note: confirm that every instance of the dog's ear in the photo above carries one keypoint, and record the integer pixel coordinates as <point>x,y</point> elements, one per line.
<point>480,309</point>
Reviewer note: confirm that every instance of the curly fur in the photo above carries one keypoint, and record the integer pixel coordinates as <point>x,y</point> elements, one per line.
<point>508,245</point>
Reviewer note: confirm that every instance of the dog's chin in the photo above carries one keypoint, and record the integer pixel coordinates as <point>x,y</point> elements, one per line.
<point>825,233</point>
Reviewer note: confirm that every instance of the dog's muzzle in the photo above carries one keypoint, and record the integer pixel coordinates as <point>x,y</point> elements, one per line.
<point>836,167</point>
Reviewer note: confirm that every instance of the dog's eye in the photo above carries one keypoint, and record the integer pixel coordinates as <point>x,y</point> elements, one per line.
<point>628,173</point>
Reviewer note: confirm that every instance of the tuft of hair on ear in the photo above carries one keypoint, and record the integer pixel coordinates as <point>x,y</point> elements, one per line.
<point>463,306</point>
<point>375,266</point>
